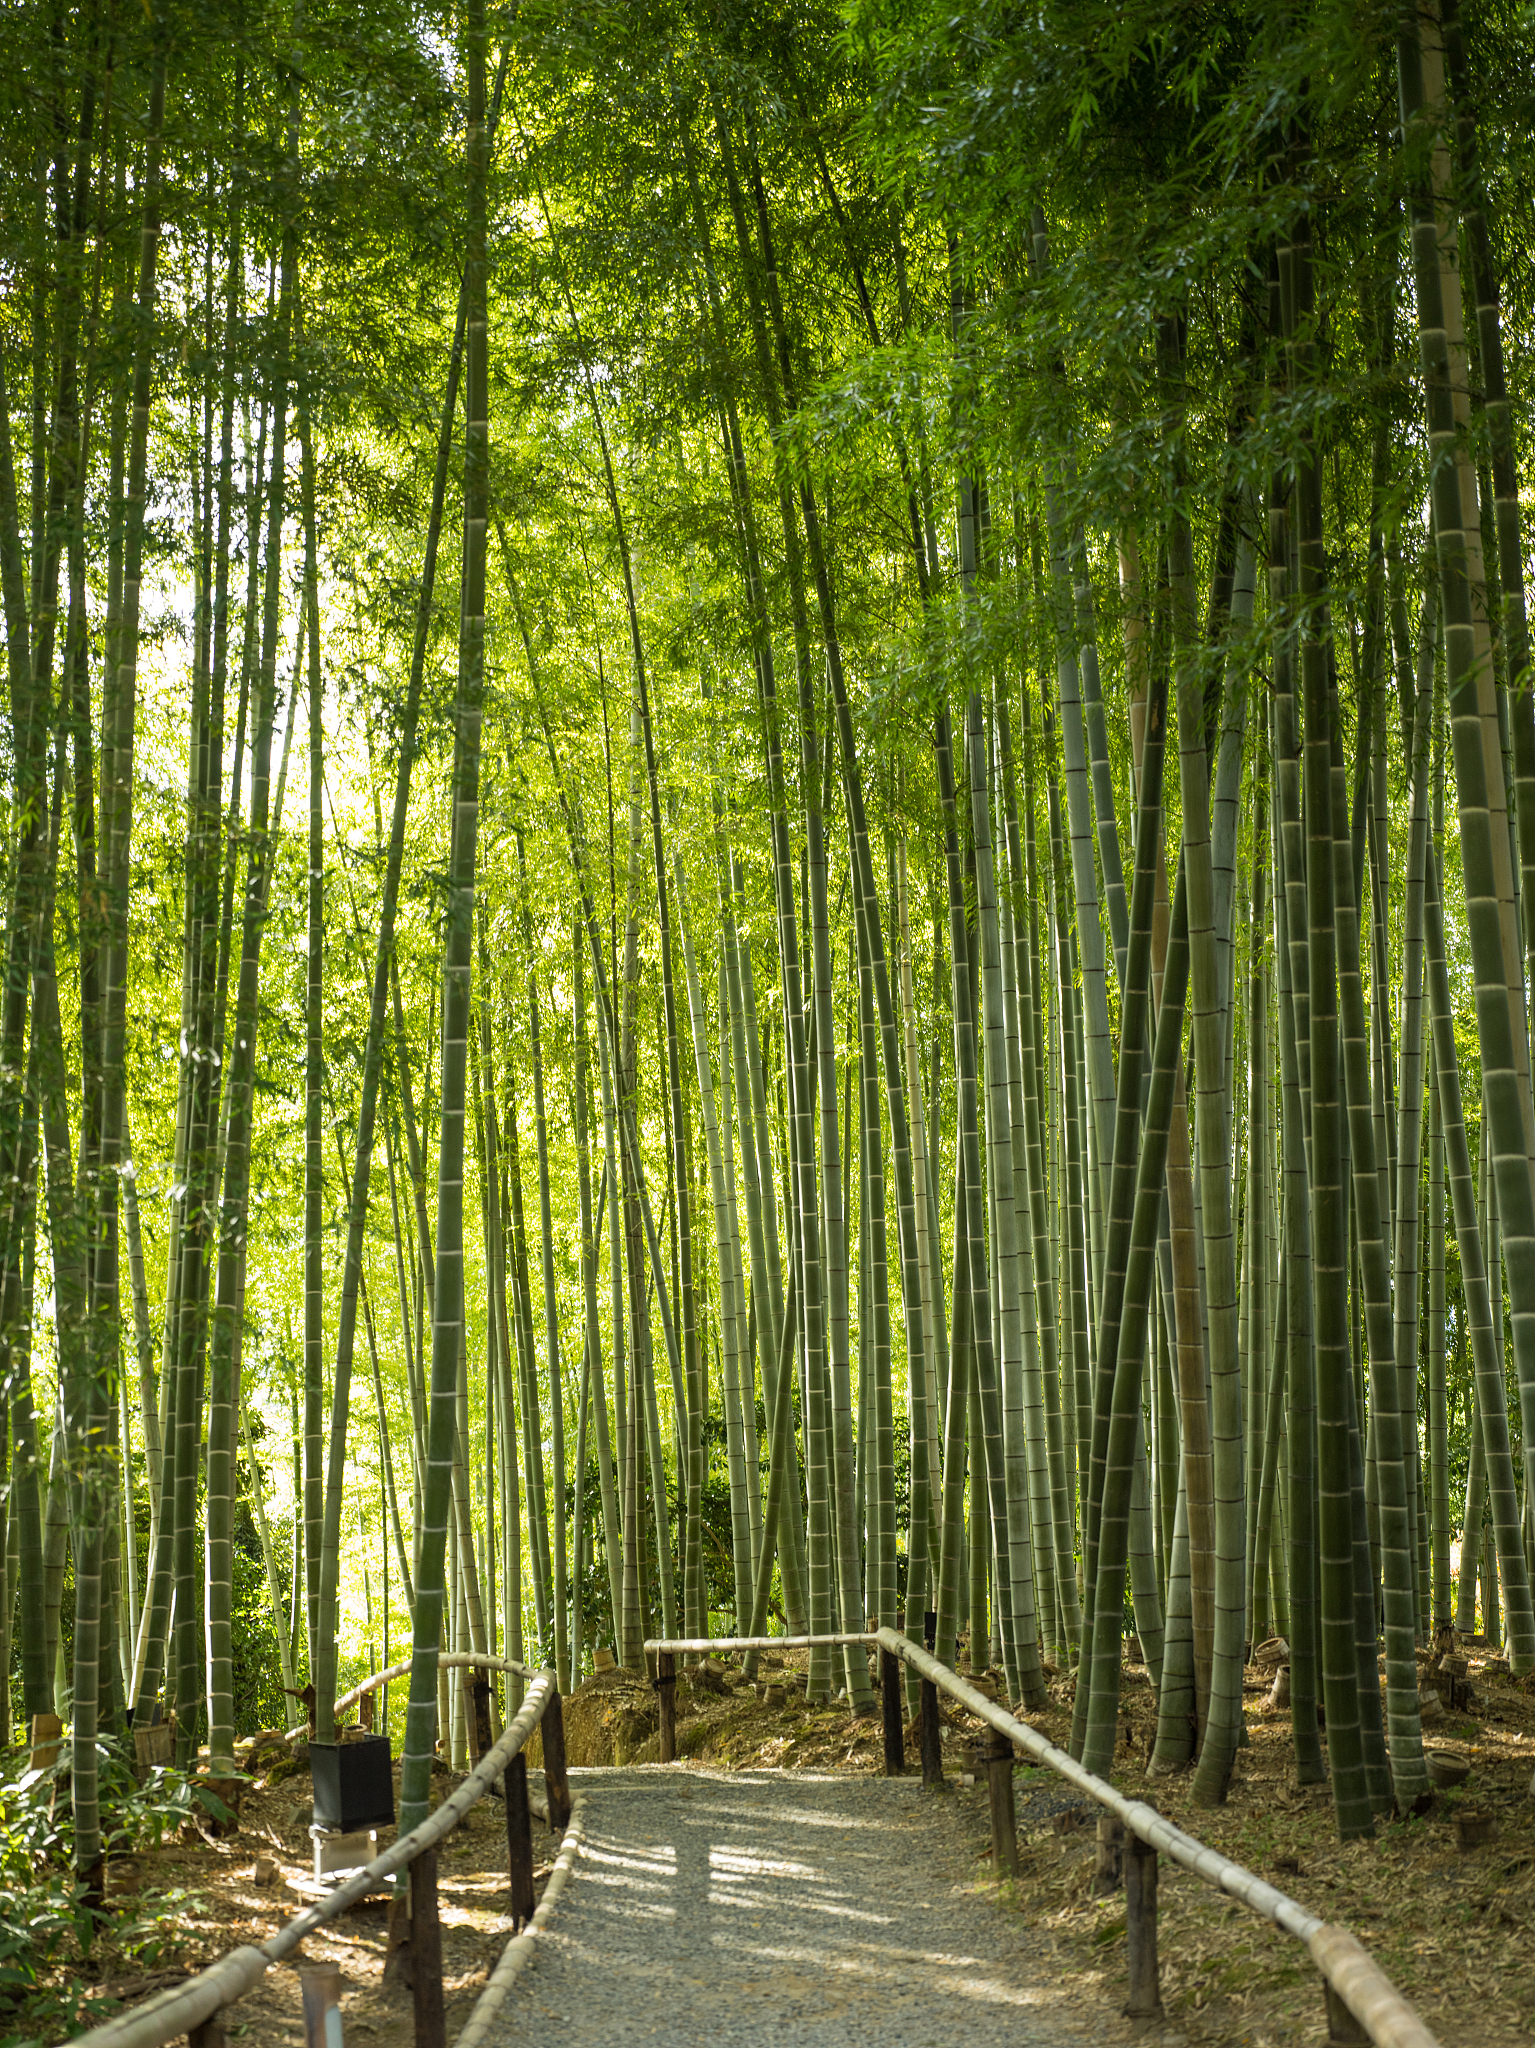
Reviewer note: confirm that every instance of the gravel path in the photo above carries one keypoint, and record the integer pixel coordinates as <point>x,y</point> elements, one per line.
<point>784,1909</point>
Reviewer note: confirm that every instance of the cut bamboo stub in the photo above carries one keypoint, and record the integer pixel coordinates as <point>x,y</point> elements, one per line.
<point>1474,1831</point>
<point>1447,1766</point>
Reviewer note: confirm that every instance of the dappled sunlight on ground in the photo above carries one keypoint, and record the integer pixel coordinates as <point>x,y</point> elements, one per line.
<point>783,1909</point>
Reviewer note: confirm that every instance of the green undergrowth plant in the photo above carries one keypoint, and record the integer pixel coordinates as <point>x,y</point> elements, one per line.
<point>48,1934</point>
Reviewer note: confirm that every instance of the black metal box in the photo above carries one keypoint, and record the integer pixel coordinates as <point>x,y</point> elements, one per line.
<point>353,1783</point>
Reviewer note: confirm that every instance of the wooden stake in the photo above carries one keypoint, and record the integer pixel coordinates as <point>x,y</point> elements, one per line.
<point>1140,1866</point>
<point>895,1720</point>
<point>519,1839</point>
<point>666,1694</point>
<point>556,1783</point>
<point>426,1952</point>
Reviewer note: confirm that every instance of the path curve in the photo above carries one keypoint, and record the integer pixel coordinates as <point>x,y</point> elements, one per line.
<point>785,1908</point>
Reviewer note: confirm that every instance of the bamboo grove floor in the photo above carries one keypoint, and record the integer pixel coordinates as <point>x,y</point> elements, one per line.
<point>1455,1931</point>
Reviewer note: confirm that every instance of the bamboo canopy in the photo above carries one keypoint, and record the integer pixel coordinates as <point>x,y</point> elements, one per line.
<point>769,861</point>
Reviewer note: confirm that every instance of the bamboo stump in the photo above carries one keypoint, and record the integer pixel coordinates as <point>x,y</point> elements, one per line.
<point>1474,1831</point>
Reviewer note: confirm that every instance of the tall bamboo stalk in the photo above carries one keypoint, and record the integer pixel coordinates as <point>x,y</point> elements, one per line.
<point>458,953</point>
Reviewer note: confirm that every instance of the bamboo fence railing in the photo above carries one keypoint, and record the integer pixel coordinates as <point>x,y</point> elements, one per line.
<point>196,2008</point>
<point>1362,2002</point>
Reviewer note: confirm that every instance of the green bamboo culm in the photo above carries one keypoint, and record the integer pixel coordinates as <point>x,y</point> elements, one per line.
<point>1138,1162</point>
<point>1336,1421</point>
<point>458,958</point>
<point>1223,1723</point>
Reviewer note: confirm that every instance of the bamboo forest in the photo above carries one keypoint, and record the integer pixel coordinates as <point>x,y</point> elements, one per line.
<point>768,863</point>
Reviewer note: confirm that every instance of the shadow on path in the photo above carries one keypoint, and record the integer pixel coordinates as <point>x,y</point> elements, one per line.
<point>785,1908</point>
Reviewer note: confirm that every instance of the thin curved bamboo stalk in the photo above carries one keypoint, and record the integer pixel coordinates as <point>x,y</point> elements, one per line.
<point>556,1518</point>
<point>591,1234</point>
<point>1020,865</point>
<point>1336,1421</point>
<point>1009,1505</point>
<point>727,1251</point>
<point>1486,853</point>
<point>1300,1361</point>
<point>1100,1720</point>
<point>1486,1344</point>
<point>1108,1486</point>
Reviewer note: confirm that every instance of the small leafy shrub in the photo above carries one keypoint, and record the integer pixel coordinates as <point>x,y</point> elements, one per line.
<point>46,1931</point>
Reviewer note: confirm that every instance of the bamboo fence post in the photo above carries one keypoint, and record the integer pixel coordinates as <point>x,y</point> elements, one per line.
<point>426,1952</point>
<point>1342,2028</point>
<point>519,1839</point>
<point>932,1738</point>
<point>557,1785</point>
<point>894,1719</point>
<point>477,1702</point>
<point>998,1755</point>
<point>322,2005</point>
<point>1145,2000</point>
<point>666,1693</point>
<point>1109,1867</point>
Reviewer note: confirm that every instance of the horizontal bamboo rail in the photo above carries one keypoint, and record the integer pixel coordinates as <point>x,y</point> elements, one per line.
<point>195,2008</point>
<point>518,1952</point>
<point>1362,2002</point>
<point>449,1660</point>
